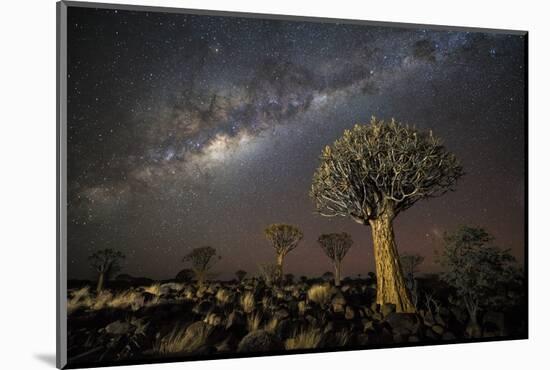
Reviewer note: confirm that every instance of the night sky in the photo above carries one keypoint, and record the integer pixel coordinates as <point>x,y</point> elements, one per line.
<point>188,130</point>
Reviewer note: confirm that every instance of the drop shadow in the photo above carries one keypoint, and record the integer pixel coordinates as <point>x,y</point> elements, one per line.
<point>47,358</point>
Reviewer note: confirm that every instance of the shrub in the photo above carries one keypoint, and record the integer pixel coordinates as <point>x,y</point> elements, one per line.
<point>253,322</point>
<point>248,302</point>
<point>223,296</point>
<point>319,294</point>
<point>271,325</point>
<point>153,289</point>
<point>183,339</point>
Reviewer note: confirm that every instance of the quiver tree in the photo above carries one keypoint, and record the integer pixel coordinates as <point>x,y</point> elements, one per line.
<point>371,174</point>
<point>202,259</point>
<point>284,238</point>
<point>410,263</point>
<point>336,246</point>
<point>105,262</point>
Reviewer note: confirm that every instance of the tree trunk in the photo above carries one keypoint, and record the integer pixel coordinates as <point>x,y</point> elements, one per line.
<point>337,270</point>
<point>390,284</point>
<point>100,281</point>
<point>280,259</point>
<point>201,275</point>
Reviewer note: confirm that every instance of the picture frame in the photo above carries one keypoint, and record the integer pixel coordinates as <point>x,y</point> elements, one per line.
<point>305,87</point>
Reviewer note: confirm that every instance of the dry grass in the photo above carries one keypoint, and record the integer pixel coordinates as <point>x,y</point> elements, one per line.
<point>179,340</point>
<point>79,298</point>
<point>319,293</point>
<point>153,289</point>
<point>248,302</point>
<point>253,322</point>
<point>342,338</point>
<point>305,339</point>
<point>82,298</point>
<point>223,296</point>
<point>271,325</point>
<point>267,301</point>
<point>128,299</point>
<point>302,305</point>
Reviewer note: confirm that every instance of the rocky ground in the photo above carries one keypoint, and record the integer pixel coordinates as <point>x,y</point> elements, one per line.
<point>173,320</point>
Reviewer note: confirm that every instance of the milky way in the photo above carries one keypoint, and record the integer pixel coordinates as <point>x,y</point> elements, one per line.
<point>187,130</point>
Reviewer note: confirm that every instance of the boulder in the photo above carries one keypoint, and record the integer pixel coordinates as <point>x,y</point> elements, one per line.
<point>259,341</point>
<point>387,308</point>
<point>118,328</point>
<point>281,314</point>
<point>338,303</point>
<point>403,323</point>
<point>203,308</point>
<point>438,329</point>
<point>235,320</point>
<point>448,336</point>
<point>285,329</point>
<point>349,313</point>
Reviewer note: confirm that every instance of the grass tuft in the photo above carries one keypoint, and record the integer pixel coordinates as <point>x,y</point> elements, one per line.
<point>305,339</point>
<point>319,293</point>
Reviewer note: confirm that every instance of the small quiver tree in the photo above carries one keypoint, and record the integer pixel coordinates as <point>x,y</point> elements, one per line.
<point>202,259</point>
<point>336,246</point>
<point>105,262</point>
<point>284,239</point>
<point>373,173</point>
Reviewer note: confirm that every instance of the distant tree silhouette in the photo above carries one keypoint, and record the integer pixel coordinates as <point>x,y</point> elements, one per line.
<point>284,239</point>
<point>410,263</point>
<point>335,246</point>
<point>202,259</point>
<point>240,274</point>
<point>105,262</point>
<point>185,276</point>
<point>289,279</point>
<point>373,173</point>
<point>476,270</point>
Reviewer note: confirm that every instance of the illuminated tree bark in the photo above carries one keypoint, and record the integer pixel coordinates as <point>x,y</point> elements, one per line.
<point>391,286</point>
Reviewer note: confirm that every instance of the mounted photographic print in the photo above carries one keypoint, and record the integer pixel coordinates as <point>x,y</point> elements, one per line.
<point>234,185</point>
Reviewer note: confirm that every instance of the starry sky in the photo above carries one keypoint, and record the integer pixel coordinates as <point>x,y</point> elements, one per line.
<point>187,130</point>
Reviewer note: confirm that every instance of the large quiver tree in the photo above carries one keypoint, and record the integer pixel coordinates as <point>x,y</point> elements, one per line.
<point>371,174</point>
<point>336,246</point>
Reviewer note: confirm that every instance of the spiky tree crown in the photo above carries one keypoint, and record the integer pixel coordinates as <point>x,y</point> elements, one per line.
<point>106,260</point>
<point>381,168</point>
<point>201,258</point>
<point>335,245</point>
<point>283,237</point>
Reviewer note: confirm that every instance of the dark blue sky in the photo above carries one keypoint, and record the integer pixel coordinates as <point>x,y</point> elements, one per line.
<point>190,130</point>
